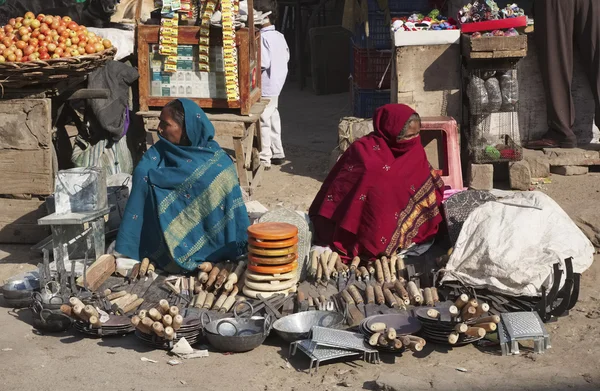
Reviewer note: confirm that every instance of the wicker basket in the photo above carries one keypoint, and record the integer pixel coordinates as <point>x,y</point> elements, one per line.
<point>25,74</point>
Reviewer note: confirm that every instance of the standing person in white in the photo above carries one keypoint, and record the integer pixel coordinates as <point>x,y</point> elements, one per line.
<point>275,55</point>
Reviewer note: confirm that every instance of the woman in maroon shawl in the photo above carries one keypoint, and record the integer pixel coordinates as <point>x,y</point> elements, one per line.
<point>382,194</point>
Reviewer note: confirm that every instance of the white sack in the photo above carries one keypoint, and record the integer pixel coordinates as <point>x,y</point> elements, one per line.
<point>123,40</point>
<point>510,245</point>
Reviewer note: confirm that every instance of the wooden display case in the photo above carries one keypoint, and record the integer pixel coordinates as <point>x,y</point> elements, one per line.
<point>248,68</point>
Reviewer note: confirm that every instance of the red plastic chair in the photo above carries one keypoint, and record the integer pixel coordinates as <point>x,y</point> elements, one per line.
<point>439,136</point>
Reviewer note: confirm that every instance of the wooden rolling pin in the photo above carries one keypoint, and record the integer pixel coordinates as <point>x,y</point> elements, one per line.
<point>389,298</point>
<point>435,295</point>
<point>488,326</point>
<point>95,322</point>
<point>177,322</point>
<point>208,302</point>
<point>144,267</point>
<point>147,322</point>
<point>414,293</point>
<point>167,320</point>
<point>475,332</point>
<point>80,313</point>
<point>220,301</point>
<point>379,297</point>
<point>223,275</point>
<point>468,313</point>
<point>155,315</point>
<point>75,301</point>
<point>200,298</point>
<point>205,267</point>
<point>67,310</point>
<point>347,298</point>
<point>432,313</point>
<point>319,275</point>
<point>202,277</point>
<point>230,301</point>
<point>314,261</point>
<point>234,277</point>
<point>483,308</point>
<point>402,292</point>
<point>453,338</point>
<point>385,266</point>
<point>163,307</point>
<point>137,323</point>
<point>379,271</point>
<point>158,329</point>
<point>90,311</point>
<point>356,296</point>
<point>493,318</point>
<point>174,311</point>
<point>142,314</point>
<point>133,305</point>
<point>126,303</point>
<point>364,273</point>
<point>461,328</point>
<point>461,301</point>
<point>324,262</point>
<point>169,333</point>
<point>370,293</point>
<point>332,261</point>
<point>374,339</point>
<point>428,297</point>
<point>397,344</point>
<point>400,268</point>
<point>393,260</point>
<point>212,277</point>
<point>115,295</point>
<point>390,334</point>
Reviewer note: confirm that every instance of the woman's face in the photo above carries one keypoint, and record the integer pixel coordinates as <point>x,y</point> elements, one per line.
<point>169,128</point>
<point>412,131</point>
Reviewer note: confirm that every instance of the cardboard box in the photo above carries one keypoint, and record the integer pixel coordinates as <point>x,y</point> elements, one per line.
<point>425,37</point>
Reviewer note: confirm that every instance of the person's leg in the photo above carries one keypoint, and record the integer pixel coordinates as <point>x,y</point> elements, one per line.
<point>587,36</point>
<point>276,145</point>
<point>554,24</point>
<point>265,132</point>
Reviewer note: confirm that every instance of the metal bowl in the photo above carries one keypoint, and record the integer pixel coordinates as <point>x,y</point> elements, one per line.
<point>237,335</point>
<point>297,326</point>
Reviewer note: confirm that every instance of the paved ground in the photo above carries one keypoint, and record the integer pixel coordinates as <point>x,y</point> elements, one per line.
<point>66,361</point>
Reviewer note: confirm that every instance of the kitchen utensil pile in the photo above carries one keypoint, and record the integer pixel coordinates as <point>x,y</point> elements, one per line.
<point>392,332</point>
<point>163,325</point>
<point>216,287</point>
<point>329,344</point>
<point>272,259</point>
<point>460,324</point>
<point>298,326</point>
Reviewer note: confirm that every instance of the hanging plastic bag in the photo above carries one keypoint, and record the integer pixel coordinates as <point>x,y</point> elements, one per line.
<point>478,96</point>
<point>509,84</point>
<point>492,86</point>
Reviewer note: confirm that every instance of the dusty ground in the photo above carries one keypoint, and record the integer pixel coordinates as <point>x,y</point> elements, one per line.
<point>67,361</point>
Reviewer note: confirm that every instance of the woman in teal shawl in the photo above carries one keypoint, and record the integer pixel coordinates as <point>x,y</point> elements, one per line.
<point>186,204</point>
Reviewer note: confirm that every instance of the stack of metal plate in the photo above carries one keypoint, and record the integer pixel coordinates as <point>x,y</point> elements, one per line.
<point>438,330</point>
<point>404,324</point>
<point>115,325</point>
<point>190,330</point>
<point>329,344</point>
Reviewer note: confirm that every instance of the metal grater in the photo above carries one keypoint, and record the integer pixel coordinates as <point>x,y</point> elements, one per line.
<point>522,326</point>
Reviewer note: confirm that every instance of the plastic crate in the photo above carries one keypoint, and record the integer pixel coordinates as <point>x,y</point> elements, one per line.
<point>380,33</point>
<point>364,102</point>
<point>370,66</point>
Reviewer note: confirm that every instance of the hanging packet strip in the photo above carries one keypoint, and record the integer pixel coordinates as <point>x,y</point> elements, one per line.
<point>168,40</point>
<point>204,40</point>
<point>229,51</point>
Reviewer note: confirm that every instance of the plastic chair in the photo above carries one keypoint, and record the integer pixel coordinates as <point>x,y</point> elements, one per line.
<point>444,131</point>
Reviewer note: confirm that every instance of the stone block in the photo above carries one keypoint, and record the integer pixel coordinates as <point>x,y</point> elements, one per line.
<point>520,175</point>
<point>569,170</point>
<point>572,157</point>
<point>481,176</point>
<point>539,164</point>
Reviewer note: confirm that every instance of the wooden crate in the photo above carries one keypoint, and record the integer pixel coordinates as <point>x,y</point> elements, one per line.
<point>18,221</point>
<point>248,67</point>
<point>494,47</point>
<point>26,150</point>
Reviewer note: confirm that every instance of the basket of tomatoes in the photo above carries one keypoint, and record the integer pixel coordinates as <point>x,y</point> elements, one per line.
<point>46,49</point>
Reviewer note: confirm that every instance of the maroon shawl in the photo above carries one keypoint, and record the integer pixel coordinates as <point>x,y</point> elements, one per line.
<point>381,195</point>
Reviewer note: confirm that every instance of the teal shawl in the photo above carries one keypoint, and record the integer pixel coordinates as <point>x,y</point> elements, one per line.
<point>186,204</point>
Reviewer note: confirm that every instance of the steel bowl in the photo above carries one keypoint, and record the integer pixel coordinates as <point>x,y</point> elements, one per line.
<point>297,326</point>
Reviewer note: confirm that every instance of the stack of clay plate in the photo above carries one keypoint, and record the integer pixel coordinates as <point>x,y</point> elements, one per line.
<point>272,259</point>
<point>190,330</point>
